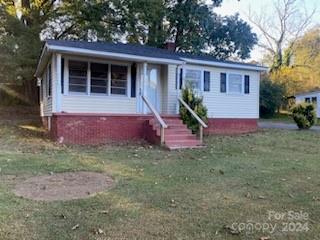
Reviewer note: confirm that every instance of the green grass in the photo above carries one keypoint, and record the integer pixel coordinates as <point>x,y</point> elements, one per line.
<point>284,117</point>
<point>280,117</point>
<point>191,194</point>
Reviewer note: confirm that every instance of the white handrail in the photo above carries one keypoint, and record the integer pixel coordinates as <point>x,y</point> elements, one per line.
<point>202,124</point>
<point>193,113</point>
<point>163,125</point>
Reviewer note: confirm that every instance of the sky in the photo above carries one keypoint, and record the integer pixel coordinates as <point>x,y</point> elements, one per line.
<point>230,7</point>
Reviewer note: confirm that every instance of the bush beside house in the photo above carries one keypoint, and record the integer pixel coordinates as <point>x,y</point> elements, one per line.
<point>304,115</point>
<point>196,104</point>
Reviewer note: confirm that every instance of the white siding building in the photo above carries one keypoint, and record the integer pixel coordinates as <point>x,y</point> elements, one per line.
<point>81,80</point>
<point>310,97</point>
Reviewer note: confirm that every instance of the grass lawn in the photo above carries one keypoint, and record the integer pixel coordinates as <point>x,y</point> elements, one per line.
<point>191,194</point>
<point>284,117</point>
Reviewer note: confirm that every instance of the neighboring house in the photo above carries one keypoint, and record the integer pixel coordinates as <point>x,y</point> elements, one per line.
<point>94,92</point>
<point>310,97</point>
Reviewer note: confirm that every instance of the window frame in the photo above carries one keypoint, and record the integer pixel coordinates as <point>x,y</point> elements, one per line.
<point>100,61</point>
<point>68,70</point>
<point>128,93</point>
<point>242,83</point>
<point>201,81</point>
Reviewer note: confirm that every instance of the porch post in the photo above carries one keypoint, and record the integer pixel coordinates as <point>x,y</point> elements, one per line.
<point>58,89</point>
<point>144,85</point>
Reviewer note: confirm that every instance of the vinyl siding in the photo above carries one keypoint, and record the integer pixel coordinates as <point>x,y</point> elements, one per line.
<point>97,104</point>
<point>171,107</point>
<point>46,103</point>
<point>225,105</point>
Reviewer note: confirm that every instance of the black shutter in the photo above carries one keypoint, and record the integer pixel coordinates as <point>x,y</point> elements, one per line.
<point>223,82</point>
<point>206,79</point>
<point>133,80</point>
<point>62,75</point>
<point>180,78</point>
<point>246,84</point>
<point>49,80</point>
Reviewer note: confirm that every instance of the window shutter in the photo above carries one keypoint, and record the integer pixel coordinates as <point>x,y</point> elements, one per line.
<point>180,78</point>
<point>246,84</point>
<point>49,80</point>
<point>206,79</point>
<point>133,80</point>
<point>223,82</point>
<point>62,75</point>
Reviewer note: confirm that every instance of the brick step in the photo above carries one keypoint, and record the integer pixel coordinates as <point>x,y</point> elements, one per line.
<point>167,121</point>
<point>170,131</point>
<point>183,142</point>
<point>171,127</point>
<point>181,137</point>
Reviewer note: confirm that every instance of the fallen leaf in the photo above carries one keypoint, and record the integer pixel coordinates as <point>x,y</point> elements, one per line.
<point>264,238</point>
<point>290,195</point>
<point>75,227</point>
<point>262,197</point>
<point>221,172</point>
<point>104,212</point>
<point>248,195</point>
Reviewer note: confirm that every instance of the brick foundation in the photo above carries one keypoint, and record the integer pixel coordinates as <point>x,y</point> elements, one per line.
<point>231,126</point>
<point>102,128</point>
<point>97,128</point>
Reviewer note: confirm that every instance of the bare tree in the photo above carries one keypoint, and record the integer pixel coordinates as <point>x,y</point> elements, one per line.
<point>282,28</point>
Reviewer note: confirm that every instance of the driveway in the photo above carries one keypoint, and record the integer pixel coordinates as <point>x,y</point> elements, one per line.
<point>282,125</point>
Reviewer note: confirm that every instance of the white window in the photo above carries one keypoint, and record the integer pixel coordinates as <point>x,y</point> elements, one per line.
<point>193,78</point>
<point>119,79</point>
<point>99,78</point>
<point>102,78</point>
<point>235,84</point>
<point>78,76</point>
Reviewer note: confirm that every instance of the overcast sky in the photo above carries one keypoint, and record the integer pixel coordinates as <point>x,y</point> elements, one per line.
<point>230,7</point>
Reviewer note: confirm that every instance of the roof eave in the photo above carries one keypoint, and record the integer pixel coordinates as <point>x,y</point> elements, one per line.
<point>120,56</point>
<point>41,61</point>
<point>226,65</point>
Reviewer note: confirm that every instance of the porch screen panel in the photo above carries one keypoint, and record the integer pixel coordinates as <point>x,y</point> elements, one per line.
<point>119,79</point>
<point>99,78</point>
<point>78,76</point>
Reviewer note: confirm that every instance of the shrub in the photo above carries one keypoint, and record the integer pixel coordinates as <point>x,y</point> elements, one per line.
<point>196,104</point>
<point>271,97</point>
<point>304,115</point>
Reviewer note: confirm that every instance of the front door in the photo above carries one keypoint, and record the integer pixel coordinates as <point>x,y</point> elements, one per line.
<point>153,86</point>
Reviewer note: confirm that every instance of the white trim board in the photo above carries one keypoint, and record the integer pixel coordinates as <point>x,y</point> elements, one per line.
<point>225,65</point>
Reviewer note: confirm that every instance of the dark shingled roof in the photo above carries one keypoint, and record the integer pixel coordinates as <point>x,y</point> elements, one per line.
<point>137,50</point>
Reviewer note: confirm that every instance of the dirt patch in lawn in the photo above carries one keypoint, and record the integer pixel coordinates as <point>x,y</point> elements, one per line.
<point>63,186</point>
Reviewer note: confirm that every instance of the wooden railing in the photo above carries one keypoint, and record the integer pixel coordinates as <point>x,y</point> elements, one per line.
<point>157,116</point>
<point>201,123</point>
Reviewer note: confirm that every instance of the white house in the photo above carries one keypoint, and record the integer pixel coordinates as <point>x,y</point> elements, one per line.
<point>93,92</point>
<point>310,97</point>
